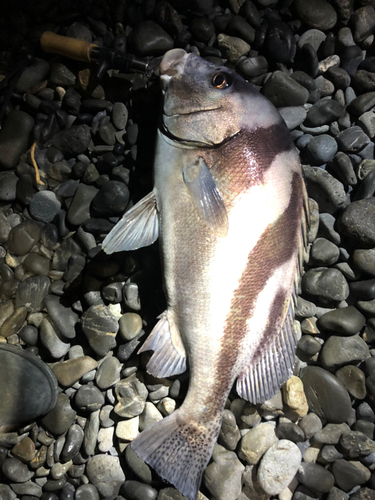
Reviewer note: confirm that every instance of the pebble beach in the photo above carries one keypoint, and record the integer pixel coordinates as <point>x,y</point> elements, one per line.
<point>76,152</point>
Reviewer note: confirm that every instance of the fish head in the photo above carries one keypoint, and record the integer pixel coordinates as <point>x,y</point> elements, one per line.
<point>208,104</point>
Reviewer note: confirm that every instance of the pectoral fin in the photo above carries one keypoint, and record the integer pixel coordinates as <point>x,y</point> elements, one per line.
<point>206,197</point>
<point>169,356</point>
<point>139,227</point>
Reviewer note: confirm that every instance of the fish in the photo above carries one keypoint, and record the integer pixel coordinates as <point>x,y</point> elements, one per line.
<point>229,208</point>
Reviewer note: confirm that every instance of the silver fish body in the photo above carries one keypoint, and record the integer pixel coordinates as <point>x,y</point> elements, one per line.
<point>228,207</point>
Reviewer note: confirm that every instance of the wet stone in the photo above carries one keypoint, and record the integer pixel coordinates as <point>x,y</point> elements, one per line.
<point>44,206</point>
<point>345,321</point>
<point>355,444</point>
<point>327,191</point>
<point>87,492</point>
<point>358,221</point>
<point>323,112</point>
<point>91,433</point>
<point>315,477</point>
<point>352,139</point>
<point>14,322</point>
<point>106,474</point>
<point>364,259</point>
<point>130,325</point>
<point>23,237</point>
<point>339,351</point>
<point>89,398</point>
<point>74,140</point>
<point>347,475</point>
<point>108,373</point>
<point>16,471</point>
<point>149,39</point>
<point>79,210</point>
<point>353,379</point>
<point>283,90</point>
<point>324,252</point>
<point>73,442</point>
<point>100,328</point>
<point>111,199</point>
<point>326,395</point>
<point>70,371</point>
<point>339,77</point>
<point>250,67</point>
<point>36,264</point>
<point>137,465</point>
<point>131,394</point>
<point>364,426</point>
<point>31,293</point>
<point>325,283</point>
<point>363,20</point>
<point>14,138</point>
<point>61,417</point>
<point>329,453</point>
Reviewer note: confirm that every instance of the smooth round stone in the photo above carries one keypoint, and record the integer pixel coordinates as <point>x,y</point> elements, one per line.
<point>16,471</point>
<point>364,290</point>
<point>358,221</point>
<point>108,373</point>
<point>55,485</point>
<point>283,90</point>
<point>342,169</point>
<point>324,252</point>
<point>278,466</point>
<point>131,394</point>
<point>347,475</point>
<point>89,398</point>
<point>62,316</point>
<point>325,283</point>
<point>366,188</point>
<point>148,39</point>
<point>327,191</point>
<point>100,328</point>
<point>23,237</point>
<point>314,37</point>
<point>138,466</point>
<point>250,67</point>
<point>61,76</point>
<point>87,492</point>
<point>111,199</point>
<point>106,474</point>
<point>364,259</point>
<point>323,112</point>
<point>70,371</point>
<point>339,351</point>
<point>346,321</point>
<point>352,139</point>
<point>309,345</point>
<point>31,293</point>
<point>8,183</point>
<point>51,340</point>
<point>339,77</point>
<point>320,14</point>
<point>79,209</point>
<point>320,149</point>
<point>36,264</point>
<point>130,325</point>
<point>202,29</point>
<point>120,115</point>
<point>134,490</point>
<point>14,138</point>
<point>232,47</point>
<point>326,395</point>
<point>293,116</point>
<point>49,235</point>
<point>353,379</point>
<point>364,426</point>
<point>61,417</point>
<point>44,206</point>
<point>223,477</point>
<point>74,140</point>
<point>14,322</point>
<point>73,442</point>
<point>6,493</point>
<point>367,123</point>
<point>29,334</point>
<point>291,432</point>
<point>256,442</point>
<point>113,293</point>
<point>350,58</point>
<point>363,20</point>
<point>315,477</point>
<point>310,424</point>
<point>362,103</point>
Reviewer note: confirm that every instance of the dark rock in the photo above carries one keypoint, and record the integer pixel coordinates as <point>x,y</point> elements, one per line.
<point>8,183</point>
<point>339,351</point>
<point>36,264</point>
<point>320,14</point>
<point>149,39</point>
<point>364,494</point>
<point>202,29</point>
<point>345,321</point>
<point>33,75</point>
<point>326,395</point>
<point>320,149</point>
<point>138,466</point>
<point>366,188</point>
<point>44,206</point>
<point>16,471</point>
<point>364,290</point>
<point>363,20</point>
<point>350,58</point>
<point>291,432</point>
<point>347,475</point>
<point>358,221</point>
<point>354,381</point>
<point>106,474</point>
<point>61,75</point>
<point>325,283</point>
<point>31,293</point>
<point>323,112</point>
<point>62,316</point>
<point>134,490</point>
<point>364,259</point>
<point>307,60</point>
<point>59,420</point>
<point>339,77</point>
<point>352,139</point>
<point>29,334</point>
<point>362,103</point>
<point>100,328</point>
<point>87,492</point>
<point>315,477</point>
<point>79,210</point>
<point>308,345</point>
<point>324,252</point>
<point>14,138</point>
<point>111,199</point>
<point>72,101</point>
<point>283,90</point>
<point>62,255</point>
<point>89,398</point>
<point>327,191</point>
<point>74,140</point>
<point>343,170</point>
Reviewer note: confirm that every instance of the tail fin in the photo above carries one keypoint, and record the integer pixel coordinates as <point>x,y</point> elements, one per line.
<point>179,450</point>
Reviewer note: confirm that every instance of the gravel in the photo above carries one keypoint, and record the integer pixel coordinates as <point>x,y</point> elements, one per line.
<point>86,314</point>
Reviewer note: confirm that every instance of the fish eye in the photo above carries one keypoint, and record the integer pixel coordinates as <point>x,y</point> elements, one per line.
<point>222,80</point>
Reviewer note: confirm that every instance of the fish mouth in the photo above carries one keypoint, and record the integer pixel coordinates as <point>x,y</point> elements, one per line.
<point>193,112</point>
<point>172,64</point>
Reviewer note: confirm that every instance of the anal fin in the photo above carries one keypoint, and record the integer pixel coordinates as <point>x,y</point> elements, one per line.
<point>274,366</point>
<point>139,227</point>
<point>169,356</point>
<point>206,197</point>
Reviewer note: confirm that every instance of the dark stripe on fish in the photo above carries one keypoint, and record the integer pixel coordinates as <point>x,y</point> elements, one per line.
<point>245,159</point>
<point>277,245</point>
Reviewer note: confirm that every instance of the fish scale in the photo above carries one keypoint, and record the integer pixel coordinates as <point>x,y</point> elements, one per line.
<point>228,206</point>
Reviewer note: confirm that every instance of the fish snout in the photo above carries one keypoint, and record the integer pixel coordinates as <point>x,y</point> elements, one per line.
<point>172,64</point>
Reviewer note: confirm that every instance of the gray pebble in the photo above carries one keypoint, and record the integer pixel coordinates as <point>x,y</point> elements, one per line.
<point>44,206</point>
<point>355,444</point>
<point>364,259</point>
<point>106,474</point>
<point>6,493</point>
<point>327,191</point>
<point>339,351</point>
<point>293,116</point>
<point>320,15</point>
<point>358,221</point>
<point>331,433</point>
<point>347,475</point>
<point>323,112</point>
<point>310,424</point>
<point>329,453</point>
<point>58,420</point>
<point>74,140</point>
<point>100,327</point>
<point>326,396</point>
<point>325,283</point>
<point>342,168</point>
<point>51,340</point>
<point>352,139</point>
<point>14,138</point>
<point>290,431</point>
<point>131,394</point>
<point>108,373</point>
<point>62,316</point>
<point>130,325</point>
<point>79,209</point>
<point>324,252</point>
<point>346,321</point>
<point>315,477</point>
<point>61,75</point>
<point>72,443</point>
<point>86,492</point>
<point>327,228</point>
<point>89,398</point>
<point>91,433</point>
<point>119,115</point>
<point>353,379</point>
<point>15,471</point>
<point>223,477</point>
<point>138,466</point>
<point>282,90</point>
<point>229,434</point>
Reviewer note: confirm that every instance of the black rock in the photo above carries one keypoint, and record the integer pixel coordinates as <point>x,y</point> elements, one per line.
<point>31,293</point>
<point>291,432</point>
<point>72,101</point>
<point>202,29</point>
<point>49,236</point>
<point>282,90</point>
<point>148,39</point>
<point>62,316</point>
<point>100,328</point>
<point>355,444</point>
<point>79,209</point>
<point>366,188</point>
<point>352,139</point>
<point>319,14</point>
<point>364,259</point>
<point>315,477</point>
<point>362,103</point>
<point>323,112</point>
<point>240,28</point>
<point>346,321</point>
<point>111,199</point>
<point>89,398</point>
<point>350,58</point>
<point>324,252</point>
<point>327,191</point>
<point>36,264</point>
<point>342,168</point>
<point>134,490</point>
<point>363,21</point>
<point>307,60</point>
<point>8,183</point>
<point>364,290</point>
<point>358,221</point>
<point>14,138</point>
<point>44,206</point>
<point>339,77</point>
<point>249,67</point>
<point>347,475</point>
<point>74,140</point>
